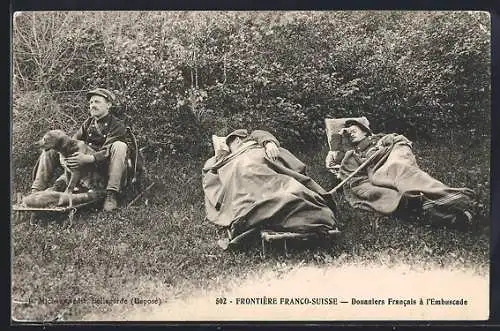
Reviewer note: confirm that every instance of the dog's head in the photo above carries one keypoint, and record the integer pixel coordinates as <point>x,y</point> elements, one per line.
<point>54,139</point>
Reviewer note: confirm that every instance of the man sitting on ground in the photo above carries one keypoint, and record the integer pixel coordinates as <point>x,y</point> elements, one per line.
<point>106,135</point>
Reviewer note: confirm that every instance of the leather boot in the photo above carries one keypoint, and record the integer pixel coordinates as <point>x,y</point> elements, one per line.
<point>110,202</point>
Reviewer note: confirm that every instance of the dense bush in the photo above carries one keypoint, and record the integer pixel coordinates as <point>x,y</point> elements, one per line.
<point>182,76</point>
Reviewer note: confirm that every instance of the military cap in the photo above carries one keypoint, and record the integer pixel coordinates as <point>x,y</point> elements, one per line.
<point>363,126</point>
<point>103,93</point>
<point>243,133</point>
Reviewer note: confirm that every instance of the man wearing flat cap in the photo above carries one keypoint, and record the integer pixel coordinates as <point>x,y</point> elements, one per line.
<point>237,138</point>
<point>382,175</point>
<point>104,133</point>
<point>260,185</point>
<point>357,135</point>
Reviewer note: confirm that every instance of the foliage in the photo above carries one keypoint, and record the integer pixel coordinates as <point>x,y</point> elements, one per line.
<point>182,76</point>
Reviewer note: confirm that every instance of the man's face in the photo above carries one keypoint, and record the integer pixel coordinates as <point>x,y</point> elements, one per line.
<point>356,134</point>
<point>235,144</point>
<point>99,106</point>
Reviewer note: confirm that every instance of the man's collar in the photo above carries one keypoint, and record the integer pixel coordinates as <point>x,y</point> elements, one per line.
<point>103,119</point>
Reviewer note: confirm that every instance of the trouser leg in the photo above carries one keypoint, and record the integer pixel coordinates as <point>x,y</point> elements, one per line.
<point>45,169</point>
<point>117,165</point>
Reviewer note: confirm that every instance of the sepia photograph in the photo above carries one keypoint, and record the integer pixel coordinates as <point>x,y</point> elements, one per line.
<point>202,166</point>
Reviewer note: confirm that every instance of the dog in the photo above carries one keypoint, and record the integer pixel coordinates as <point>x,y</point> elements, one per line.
<point>60,142</point>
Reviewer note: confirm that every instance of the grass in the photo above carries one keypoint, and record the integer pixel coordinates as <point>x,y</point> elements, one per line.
<point>167,246</point>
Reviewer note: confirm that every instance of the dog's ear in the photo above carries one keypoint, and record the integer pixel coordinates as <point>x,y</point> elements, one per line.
<point>74,145</point>
<point>65,145</point>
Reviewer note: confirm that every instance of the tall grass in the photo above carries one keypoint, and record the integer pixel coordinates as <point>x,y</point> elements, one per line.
<point>163,244</point>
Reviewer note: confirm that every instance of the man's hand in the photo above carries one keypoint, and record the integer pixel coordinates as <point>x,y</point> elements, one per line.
<point>272,151</point>
<point>78,159</point>
<point>330,159</point>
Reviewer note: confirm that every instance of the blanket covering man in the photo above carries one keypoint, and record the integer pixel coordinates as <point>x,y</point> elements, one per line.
<point>393,178</point>
<point>249,190</point>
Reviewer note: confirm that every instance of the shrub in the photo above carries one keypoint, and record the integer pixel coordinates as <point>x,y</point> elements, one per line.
<point>182,76</point>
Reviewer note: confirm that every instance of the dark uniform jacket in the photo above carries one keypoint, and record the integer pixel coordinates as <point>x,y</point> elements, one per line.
<point>366,147</point>
<point>358,153</point>
<point>100,134</point>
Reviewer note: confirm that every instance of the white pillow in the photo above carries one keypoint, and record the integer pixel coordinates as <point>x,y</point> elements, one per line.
<point>333,126</point>
<point>220,147</point>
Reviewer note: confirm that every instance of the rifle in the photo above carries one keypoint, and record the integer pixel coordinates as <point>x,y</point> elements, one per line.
<point>363,165</point>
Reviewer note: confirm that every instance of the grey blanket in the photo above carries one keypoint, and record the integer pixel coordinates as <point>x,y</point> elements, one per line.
<point>247,190</point>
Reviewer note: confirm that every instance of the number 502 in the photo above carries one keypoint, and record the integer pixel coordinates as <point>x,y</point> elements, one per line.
<point>220,301</point>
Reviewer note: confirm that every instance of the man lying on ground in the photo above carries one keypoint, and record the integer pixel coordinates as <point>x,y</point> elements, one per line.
<point>260,185</point>
<point>392,179</point>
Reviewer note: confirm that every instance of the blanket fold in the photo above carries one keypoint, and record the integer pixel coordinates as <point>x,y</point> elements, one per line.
<point>248,190</point>
<point>395,175</point>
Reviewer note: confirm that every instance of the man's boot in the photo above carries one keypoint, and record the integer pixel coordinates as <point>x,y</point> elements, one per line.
<point>110,202</point>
